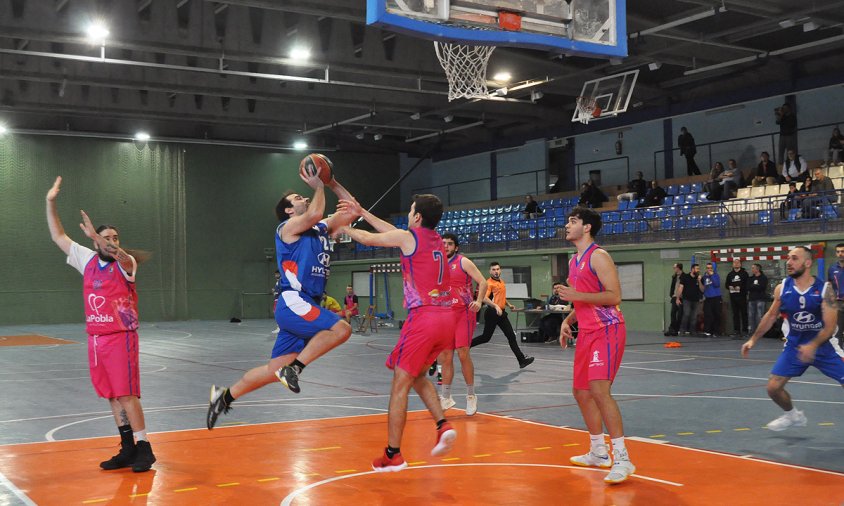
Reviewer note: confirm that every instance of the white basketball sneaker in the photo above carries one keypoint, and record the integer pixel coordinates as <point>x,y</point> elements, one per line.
<point>592,459</point>
<point>793,418</point>
<point>622,468</point>
<point>447,402</point>
<point>471,405</point>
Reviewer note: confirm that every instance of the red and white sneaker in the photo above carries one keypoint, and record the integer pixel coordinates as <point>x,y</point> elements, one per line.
<point>384,464</point>
<point>446,435</point>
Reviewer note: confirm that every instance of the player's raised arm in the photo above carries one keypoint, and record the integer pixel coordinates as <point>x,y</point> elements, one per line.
<point>765,323</point>
<point>396,238</point>
<point>57,232</point>
<point>312,214</point>
<point>352,206</point>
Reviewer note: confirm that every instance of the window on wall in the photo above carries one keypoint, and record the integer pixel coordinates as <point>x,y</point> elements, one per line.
<point>632,278</point>
<point>518,282</point>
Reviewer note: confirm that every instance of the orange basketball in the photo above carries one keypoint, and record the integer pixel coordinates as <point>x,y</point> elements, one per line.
<point>315,161</point>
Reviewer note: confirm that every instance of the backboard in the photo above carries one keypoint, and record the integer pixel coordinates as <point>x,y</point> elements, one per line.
<point>576,27</point>
<point>612,95</point>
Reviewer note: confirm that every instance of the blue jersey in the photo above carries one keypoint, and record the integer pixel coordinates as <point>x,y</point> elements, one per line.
<point>802,311</point>
<point>836,277</point>
<point>304,264</point>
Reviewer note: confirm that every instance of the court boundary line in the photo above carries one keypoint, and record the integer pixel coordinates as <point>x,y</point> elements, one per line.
<point>20,494</point>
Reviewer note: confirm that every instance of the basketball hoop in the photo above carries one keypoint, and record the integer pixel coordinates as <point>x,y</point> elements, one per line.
<point>465,69</point>
<point>587,108</point>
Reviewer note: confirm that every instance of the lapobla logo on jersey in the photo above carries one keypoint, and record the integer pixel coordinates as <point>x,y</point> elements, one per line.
<point>95,302</point>
<point>804,320</point>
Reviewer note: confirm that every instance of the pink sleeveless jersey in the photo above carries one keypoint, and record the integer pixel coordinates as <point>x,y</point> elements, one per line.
<point>110,299</point>
<point>425,273</point>
<point>461,283</point>
<point>582,278</point>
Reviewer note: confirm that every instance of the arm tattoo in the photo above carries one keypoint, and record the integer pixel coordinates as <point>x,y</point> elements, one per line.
<point>829,297</point>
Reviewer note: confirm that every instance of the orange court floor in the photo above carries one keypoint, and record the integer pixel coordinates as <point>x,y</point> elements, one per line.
<point>496,460</point>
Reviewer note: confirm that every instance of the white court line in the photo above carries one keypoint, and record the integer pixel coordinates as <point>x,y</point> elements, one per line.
<point>292,495</point>
<point>661,361</point>
<point>722,454</point>
<point>49,435</point>
<point>712,375</point>
<point>16,491</point>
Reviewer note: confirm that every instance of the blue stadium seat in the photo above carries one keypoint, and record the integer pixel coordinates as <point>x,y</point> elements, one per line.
<point>696,188</point>
<point>672,190</point>
<point>793,214</point>
<point>763,218</point>
<point>683,189</point>
<point>649,213</point>
<point>667,224</point>
<point>669,200</point>
<point>828,212</point>
<point>692,198</point>
<point>618,227</point>
<point>679,200</point>
<point>623,204</point>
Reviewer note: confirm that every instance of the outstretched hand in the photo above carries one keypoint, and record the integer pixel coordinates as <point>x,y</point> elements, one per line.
<point>313,181</point>
<point>351,207</point>
<point>89,230</point>
<point>54,191</point>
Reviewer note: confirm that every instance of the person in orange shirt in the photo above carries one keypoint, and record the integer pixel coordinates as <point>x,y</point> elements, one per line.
<point>496,315</point>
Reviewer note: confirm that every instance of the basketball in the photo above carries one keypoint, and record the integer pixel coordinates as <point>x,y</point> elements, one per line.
<point>315,161</point>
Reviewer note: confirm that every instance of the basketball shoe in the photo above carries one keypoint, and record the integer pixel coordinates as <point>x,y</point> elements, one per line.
<point>289,378</point>
<point>592,459</point>
<point>124,458</point>
<point>447,402</point>
<point>471,405</point>
<point>622,468</point>
<point>446,435</point>
<point>144,458</point>
<point>792,418</point>
<point>216,406</point>
<point>384,464</point>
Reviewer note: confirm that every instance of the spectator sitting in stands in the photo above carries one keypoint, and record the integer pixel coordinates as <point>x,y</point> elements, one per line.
<point>636,188</point>
<point>806,187</point>
<point>654,197</point>
<point>532,209</point>
<point>792,200</point>
<point>713,187</point>
<point>330,303</point>
<point>836,145</point>
<point>730,180</point>
<point>822,193</point>
<point>795,167</point>
<point>591,195</point>
<point>765,172</point>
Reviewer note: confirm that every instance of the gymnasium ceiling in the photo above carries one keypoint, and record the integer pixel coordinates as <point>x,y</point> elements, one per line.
<point>199,69</point>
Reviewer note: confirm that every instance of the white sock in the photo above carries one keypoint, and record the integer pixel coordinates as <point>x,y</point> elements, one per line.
<point>470,389</point>
<point>618,443</point>
<point>141,435</point>
<point>446,391</point>
<point>597,444</point>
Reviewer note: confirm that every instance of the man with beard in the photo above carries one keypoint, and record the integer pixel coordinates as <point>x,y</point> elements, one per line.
<point>463,272</point>
<point>595,292</point>
<point>809,305</point>
<point>111,315</point>
<point>496,315</point>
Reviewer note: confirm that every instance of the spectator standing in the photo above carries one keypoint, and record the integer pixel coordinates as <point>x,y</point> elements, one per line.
<point>655,195</point>
<point>737,286</point>
<point>688,149</point>
<point>794,167</point>
<point>765,172</point>
<point>836,145</point>
<point>710,284</point>
<point>757,296</point>
<point>690,293</point>
<point>676,301</point>
<point>823,193</point>
<point>636,188</point>
<point>787,121</point>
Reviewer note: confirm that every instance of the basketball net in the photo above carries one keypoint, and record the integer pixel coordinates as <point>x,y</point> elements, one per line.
<point>465,69</point>
<point>587,108</point>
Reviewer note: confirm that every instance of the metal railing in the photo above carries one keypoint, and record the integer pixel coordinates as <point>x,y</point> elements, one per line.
<point>735,218</point>
<point>445,191</point>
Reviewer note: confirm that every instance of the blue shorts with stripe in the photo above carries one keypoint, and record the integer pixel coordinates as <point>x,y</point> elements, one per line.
<point>827,361</point>
<point>299,319</point>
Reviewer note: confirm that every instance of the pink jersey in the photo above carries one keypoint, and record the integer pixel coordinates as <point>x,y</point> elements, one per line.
<point>582,278</point>
<point>426,278</point>
<point>461,282</point>
<point>110,299</point>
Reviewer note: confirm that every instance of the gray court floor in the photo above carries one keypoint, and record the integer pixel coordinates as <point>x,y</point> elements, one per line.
<point>702,395</point>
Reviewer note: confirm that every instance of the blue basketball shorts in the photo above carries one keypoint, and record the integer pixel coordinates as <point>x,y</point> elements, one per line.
<point>299,319</point>
<point>826,361</point>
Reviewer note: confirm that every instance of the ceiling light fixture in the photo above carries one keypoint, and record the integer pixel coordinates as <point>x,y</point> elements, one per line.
<point>300,54</point>
<point>97,32</point>
<point>3,129</point>
<point>377,137</point>
<point>300,145</point>
<point>142,136</point>
<point>502,76</point>
<point>449,118</point>
<point>654,65</point>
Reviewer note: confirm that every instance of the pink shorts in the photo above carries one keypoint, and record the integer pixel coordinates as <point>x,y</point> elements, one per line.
<point>428,331</point>
<point>598,355</point>
<point>465,322</point>
<point>113,362</point>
